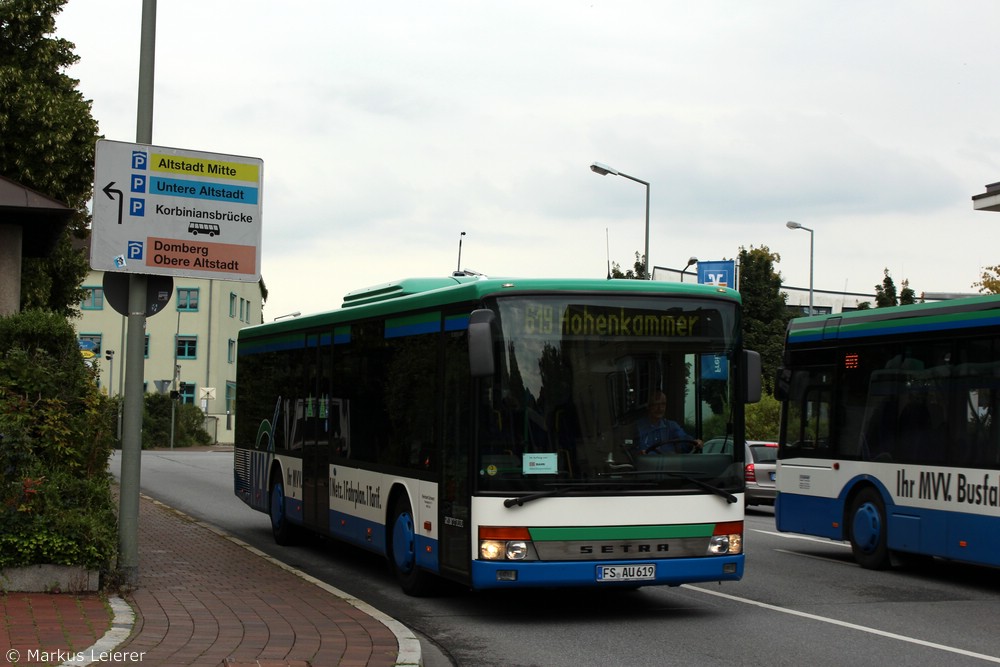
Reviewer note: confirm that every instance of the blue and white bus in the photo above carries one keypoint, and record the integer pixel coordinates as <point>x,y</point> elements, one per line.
<point>889,436</point>
<point>481,430</point>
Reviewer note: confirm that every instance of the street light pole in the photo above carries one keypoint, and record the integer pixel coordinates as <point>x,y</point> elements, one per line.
<point>794,225</point>
<point>691,260</point>
<point>604,170</point>
<point>459,268</point>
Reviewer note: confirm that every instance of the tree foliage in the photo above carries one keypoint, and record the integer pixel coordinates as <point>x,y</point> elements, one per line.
<point>162,413</point>
<point>636,273</point>
<point>885,293</point>
<point>765,311</point>
<point>989,280</point>
<point>56,434</point>
<point>47,142</point>
<point>886,296</point>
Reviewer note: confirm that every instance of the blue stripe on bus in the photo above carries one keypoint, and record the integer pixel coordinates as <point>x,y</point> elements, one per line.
<point>256,347</point>
<point>456,323</point>
<point>849,330</point>
<point>370,535</point>
<point>809,515</point>
<point>962,536</point>
<point>672,572</point>
<point>414,329</point>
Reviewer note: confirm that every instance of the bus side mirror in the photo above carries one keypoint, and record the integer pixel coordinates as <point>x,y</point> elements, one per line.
<point>751,376</point>
<point>481,361</point>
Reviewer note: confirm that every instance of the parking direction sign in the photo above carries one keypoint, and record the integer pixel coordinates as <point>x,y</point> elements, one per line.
<point>173,212</point>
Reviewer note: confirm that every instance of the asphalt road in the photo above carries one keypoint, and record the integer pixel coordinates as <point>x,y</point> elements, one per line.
<point>801,601</point>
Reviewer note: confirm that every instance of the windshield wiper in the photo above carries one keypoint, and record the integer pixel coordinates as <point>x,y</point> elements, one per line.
<point>730,498</point>
<point>563,488</point>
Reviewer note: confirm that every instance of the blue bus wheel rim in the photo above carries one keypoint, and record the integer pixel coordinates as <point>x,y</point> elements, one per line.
<point>402,542</point>
<point>867,527</point>
<point>277,504</point>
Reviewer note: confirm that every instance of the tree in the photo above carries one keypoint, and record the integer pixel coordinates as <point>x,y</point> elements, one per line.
<point>885,294</point>
<point>765,310</point>
<point>47,142</point>
<point>638,273</point>
<point>989,281</point>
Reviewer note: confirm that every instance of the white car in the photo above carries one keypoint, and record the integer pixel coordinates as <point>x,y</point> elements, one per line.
<point>758,468</point>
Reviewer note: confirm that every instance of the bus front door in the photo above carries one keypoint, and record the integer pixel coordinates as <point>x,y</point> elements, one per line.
<point>316,485</point>
<point>317,445</point>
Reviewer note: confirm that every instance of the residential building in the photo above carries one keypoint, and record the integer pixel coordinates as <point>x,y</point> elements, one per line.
<point>190,344</point>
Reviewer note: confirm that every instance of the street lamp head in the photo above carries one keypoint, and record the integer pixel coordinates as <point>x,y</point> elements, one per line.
<point>693,260</point>
<point>603,169</point>
<point>793,225</point>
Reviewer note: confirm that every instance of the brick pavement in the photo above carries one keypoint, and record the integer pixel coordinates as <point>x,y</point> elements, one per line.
<point>206,599</point>
<point>47,628</point>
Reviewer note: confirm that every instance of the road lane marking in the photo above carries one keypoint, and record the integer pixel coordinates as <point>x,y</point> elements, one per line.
<point>845,624</point>
<point>808,538</point>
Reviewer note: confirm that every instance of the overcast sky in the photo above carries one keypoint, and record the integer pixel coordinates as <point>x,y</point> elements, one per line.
<point>386,129</point>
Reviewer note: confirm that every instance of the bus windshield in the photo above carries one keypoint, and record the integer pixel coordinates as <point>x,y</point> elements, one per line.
<point>582,382</point>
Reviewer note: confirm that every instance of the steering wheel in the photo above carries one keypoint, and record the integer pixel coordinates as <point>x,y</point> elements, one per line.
<point>673,441</point>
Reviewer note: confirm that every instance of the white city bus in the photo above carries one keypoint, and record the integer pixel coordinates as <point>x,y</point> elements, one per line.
<point>888,436</point>
<point>479,430</point>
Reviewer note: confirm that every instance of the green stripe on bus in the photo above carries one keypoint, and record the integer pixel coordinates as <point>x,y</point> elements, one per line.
<point>622,532</point>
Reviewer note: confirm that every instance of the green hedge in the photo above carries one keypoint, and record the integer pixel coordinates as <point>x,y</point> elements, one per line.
<point>189,423</point>
<point>56,434</point>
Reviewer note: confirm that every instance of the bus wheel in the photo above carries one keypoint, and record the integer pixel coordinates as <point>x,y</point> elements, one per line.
<point>281,528</point>
<point>868,530</point>
<point>403,551</point>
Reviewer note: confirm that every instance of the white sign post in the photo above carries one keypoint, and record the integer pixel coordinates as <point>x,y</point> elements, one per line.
<point>173,212</point>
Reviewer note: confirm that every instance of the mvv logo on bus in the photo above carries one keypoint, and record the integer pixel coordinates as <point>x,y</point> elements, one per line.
<point>937,485</point>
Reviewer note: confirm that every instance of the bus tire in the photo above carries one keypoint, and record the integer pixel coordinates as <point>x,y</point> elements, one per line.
<point>281,527</point>
<point>403,551</point>
<point>867,522</point>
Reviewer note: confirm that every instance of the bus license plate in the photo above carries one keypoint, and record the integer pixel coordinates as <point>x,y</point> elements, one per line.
<point>640,572</point>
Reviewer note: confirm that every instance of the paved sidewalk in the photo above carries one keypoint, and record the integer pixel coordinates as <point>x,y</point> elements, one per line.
<point>49,629</point>
<point>206,599</point>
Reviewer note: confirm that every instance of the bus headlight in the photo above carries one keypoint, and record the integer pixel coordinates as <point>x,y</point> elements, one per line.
<point>517,550</point>
<point>492,549</point>
<point>727,539</point>
<point>505,544</point>
<point>504,550</point>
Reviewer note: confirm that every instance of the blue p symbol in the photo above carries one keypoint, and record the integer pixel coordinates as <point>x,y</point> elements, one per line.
<point>138,207</point>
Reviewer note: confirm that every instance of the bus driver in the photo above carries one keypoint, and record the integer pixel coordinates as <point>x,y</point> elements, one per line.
<point>659,435</point>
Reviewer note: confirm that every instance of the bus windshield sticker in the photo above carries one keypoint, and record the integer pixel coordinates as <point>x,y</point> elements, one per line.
<point>540,464</point>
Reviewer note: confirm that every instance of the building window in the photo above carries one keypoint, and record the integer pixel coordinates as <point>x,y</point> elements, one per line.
<point>187,298</point>
<point>185,392</point>
<point>232,351</point>
<point>243,309</point>
<point>187,347</point>
<point>145,349</point>
<point>232,304</point>
<point>230,397</point>
<point>91,343</point>
<point>94,300</point>
<point>247,320</point>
